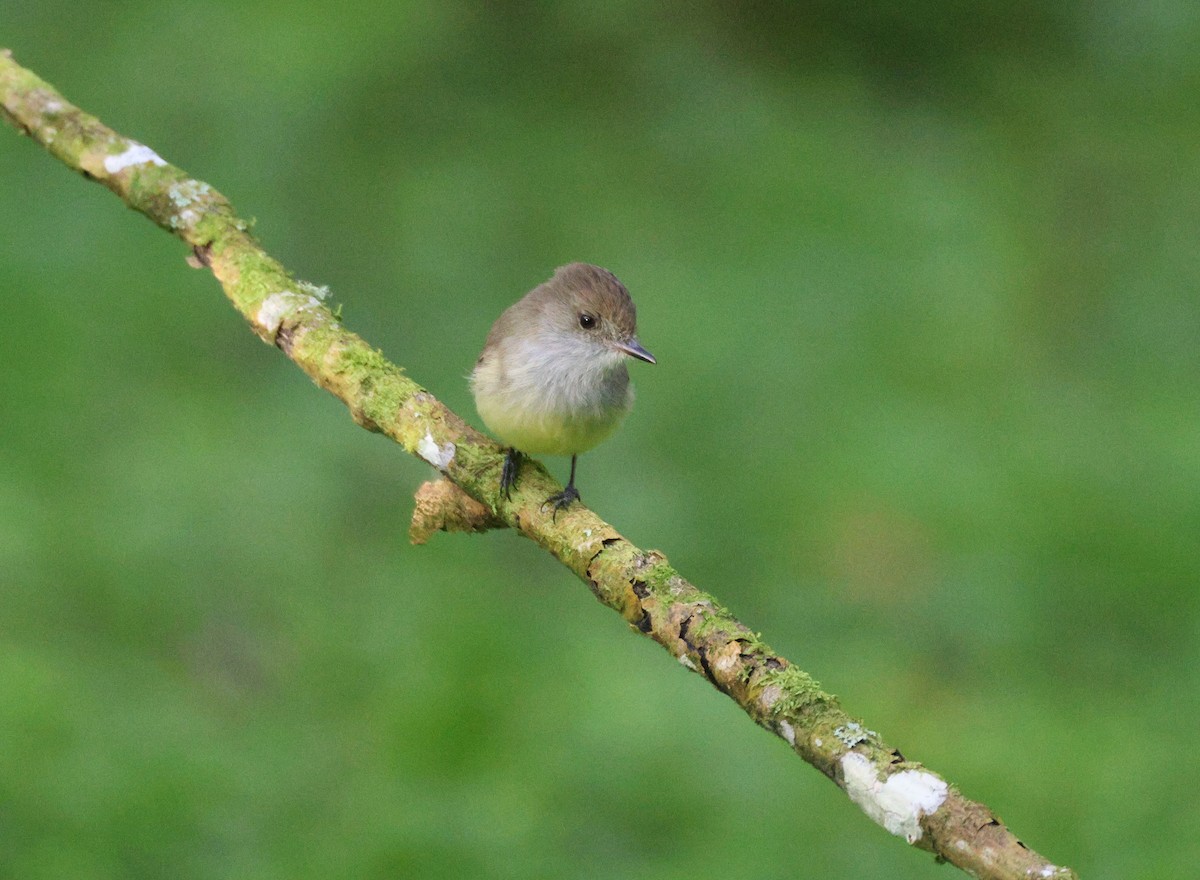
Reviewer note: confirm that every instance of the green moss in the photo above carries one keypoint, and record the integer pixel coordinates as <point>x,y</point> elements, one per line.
<point>799,689</point>
<point>210,227</point>
<point>362,360</point>
<point>712,619</point>
<point>382,387</point>
<point>658,576</point>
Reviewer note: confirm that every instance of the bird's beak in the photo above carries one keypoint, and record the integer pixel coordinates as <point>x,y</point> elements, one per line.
<point>633,348</point>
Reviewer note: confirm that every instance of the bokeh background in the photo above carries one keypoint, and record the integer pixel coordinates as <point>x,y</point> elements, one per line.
<point>921,279</point>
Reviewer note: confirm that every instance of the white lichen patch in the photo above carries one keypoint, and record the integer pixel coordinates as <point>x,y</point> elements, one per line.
<point>685,660</point>
<point>438,456</point>
<point>185,219</point>
<point>787,732</point>
<point>897,803</point>
<point>1048,871</point>
<point>853,733</point>
<point>137,154</point>
<point>184,195</point>
<point>770,695</point>
<point>273,309</point>
<point>725,663</point>
<point>320,291</point>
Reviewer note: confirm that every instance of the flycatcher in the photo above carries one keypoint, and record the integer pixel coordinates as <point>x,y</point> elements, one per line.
<point>551,379</point>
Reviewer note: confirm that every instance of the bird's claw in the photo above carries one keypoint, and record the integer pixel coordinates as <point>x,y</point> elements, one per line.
<point>561,500</point>
<point>508,474</point>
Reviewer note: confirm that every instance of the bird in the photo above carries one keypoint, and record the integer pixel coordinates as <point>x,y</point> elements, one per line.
<point>552,377</point>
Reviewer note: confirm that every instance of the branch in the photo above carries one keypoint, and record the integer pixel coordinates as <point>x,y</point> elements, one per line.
<point>901,795</point>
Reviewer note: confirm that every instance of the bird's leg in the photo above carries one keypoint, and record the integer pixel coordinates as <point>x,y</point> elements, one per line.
<point>563,499</point>
<point>508,474</point>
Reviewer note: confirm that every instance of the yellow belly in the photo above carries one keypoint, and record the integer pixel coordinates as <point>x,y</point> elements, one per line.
<point>546,433</point>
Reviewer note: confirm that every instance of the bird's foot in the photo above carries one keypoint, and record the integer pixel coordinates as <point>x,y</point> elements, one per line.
<point>508,474</point>
<point>561,500</point>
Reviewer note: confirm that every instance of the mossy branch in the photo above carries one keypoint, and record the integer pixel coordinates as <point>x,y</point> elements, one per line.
<point>640,585</point>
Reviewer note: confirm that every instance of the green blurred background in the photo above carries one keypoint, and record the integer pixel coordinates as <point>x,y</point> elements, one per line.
<point>921,280</point>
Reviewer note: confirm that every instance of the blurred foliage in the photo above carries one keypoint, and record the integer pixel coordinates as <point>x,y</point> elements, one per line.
<point>922,282</point>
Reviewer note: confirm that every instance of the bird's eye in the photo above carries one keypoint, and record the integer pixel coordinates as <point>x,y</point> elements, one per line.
<point>586,321</point>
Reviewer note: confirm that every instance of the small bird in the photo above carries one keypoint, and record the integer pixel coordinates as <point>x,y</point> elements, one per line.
<point>551,379</point>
